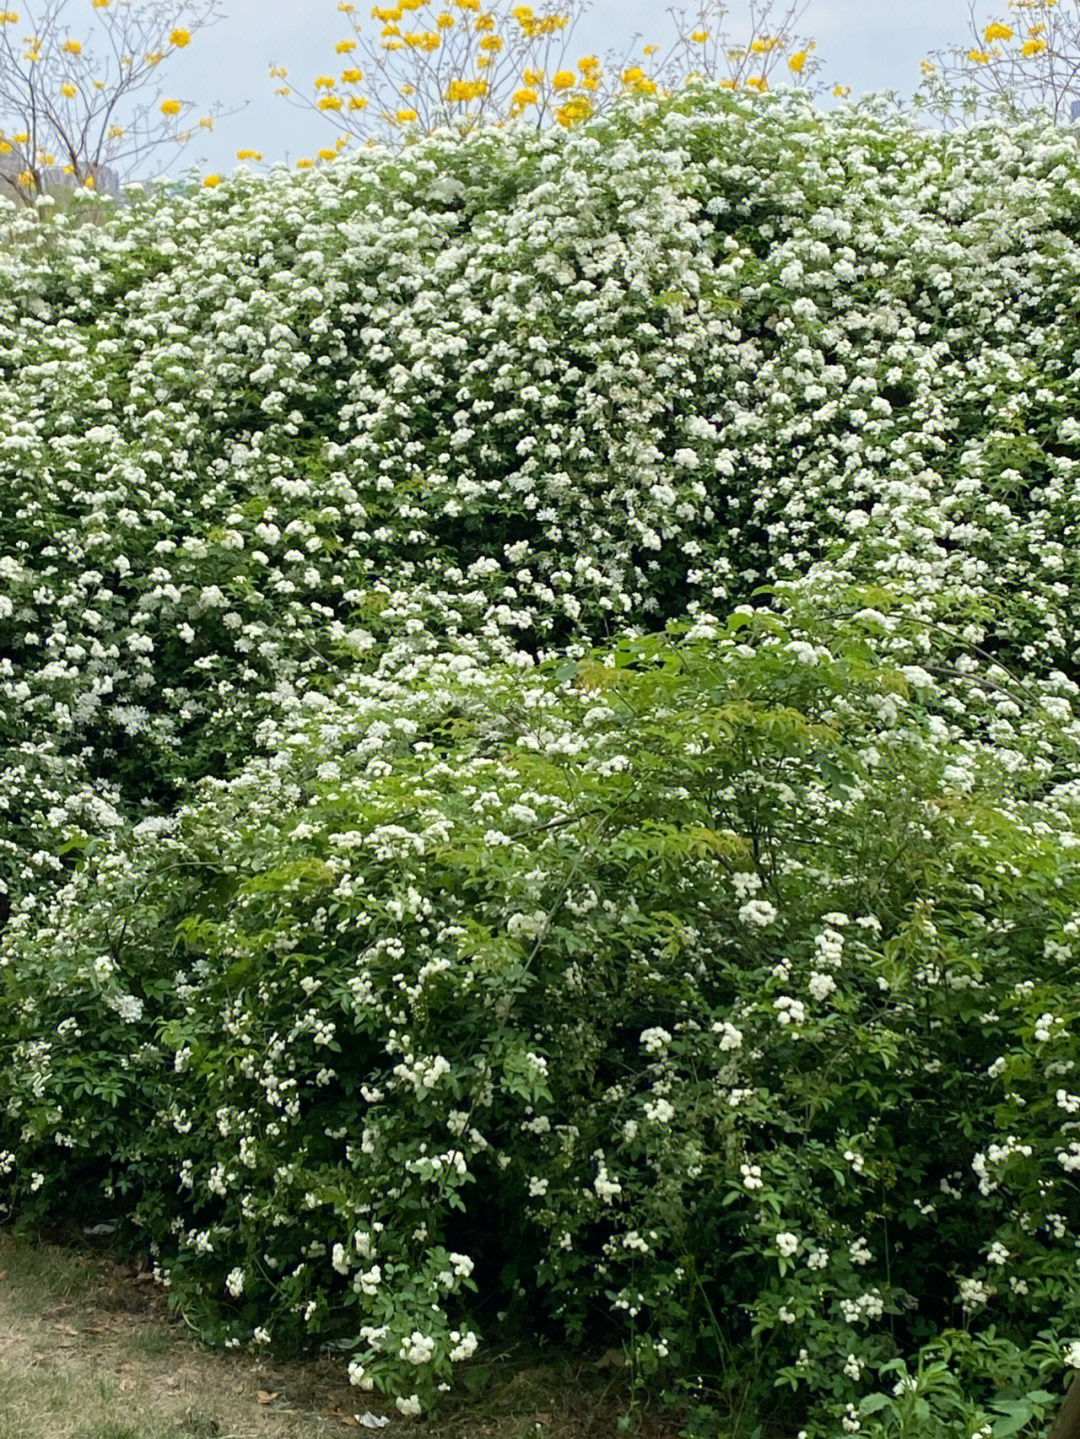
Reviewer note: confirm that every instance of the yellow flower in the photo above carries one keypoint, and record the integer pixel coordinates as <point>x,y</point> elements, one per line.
<point>979,57</point>
<point>650,49</point>
<point>116,132</point>
<point>328,154</point>
<point>1033,47</point>
<point>522,13</point>
<point>358,102</point>
<point>404,117</point>
<point>9,17</point>
<point>471,5</point>
<point>997,32</point>
<point>377,13</point>
<point>407,90</point>
<point>153,57</point>
<point>492,44</point>
<point>797,61</point>
<point>462,91</point>
<point>841,90</point>
<point>324,82</point>
<point>344,47</point>
<point>5,147</point>
<point>484,24</point>
<point>351,77</point>
<point>573,111</point>
<point>563,80</point>
<point>170,107</point>
<point>522,98</point>
<point>390,30</point>
<point>1036,29</point>
<point>89,183</point>
<point>699,36</point>
<point>533,77</point>
<point>763,45</point>
<point>927,67</point>
<point>25,179</point>
<point>72,47</point>
<point>331,102</point>
<point>758,83</point>
<point>206,123</point>
<point>346,8</point>
<point>249,154</point>
<point>22,137</point>
<point>212,181</point>
<point>100,4</point>
<point>588,65</point>
<point>304,164</point>
<point>68,91</point>
<point>444,21</point>
<point>180,37</point>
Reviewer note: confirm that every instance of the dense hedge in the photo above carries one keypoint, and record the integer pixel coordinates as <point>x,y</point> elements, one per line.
<point>420,509</point>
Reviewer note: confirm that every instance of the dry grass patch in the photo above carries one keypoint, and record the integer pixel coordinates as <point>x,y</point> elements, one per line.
<point>88,1350</point>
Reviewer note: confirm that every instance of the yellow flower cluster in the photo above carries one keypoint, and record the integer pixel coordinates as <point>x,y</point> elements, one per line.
<point>997,31</point>
<point>461,92</point>
<point>471,37</point>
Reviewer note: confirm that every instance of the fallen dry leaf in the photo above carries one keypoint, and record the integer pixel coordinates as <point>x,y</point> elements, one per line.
<point>265,1397</point>
<point>611,1359</point>
<point>127,1385</point>
<point>544,1418</point>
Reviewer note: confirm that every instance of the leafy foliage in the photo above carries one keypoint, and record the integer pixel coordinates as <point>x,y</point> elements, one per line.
<point>539,741</point>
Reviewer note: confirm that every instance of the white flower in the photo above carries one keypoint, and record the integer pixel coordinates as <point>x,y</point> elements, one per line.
<point>730,1037</point>
<point>787,1244</point>
<point>758,912</point>
<point>789,1011</point>
<point>654,1040</point>
<point>660,1111</point>
<point>751,1176</point>
<point>409,1406</point>
<point>234,1282</point>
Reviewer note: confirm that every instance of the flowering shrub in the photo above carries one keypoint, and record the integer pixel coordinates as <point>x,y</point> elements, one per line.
<point>424,509</point>
<point>723,970</point>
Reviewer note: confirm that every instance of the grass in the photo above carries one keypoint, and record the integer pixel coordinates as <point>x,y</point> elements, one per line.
<point>88,1350</point>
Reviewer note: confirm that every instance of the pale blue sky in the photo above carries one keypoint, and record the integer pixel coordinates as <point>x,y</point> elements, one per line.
<point>867,44</point>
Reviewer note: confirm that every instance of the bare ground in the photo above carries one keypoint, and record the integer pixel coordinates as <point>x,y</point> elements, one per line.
<point>89,1351</point>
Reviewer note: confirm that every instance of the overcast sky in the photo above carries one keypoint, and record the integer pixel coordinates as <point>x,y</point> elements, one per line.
<point>867,44</point>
